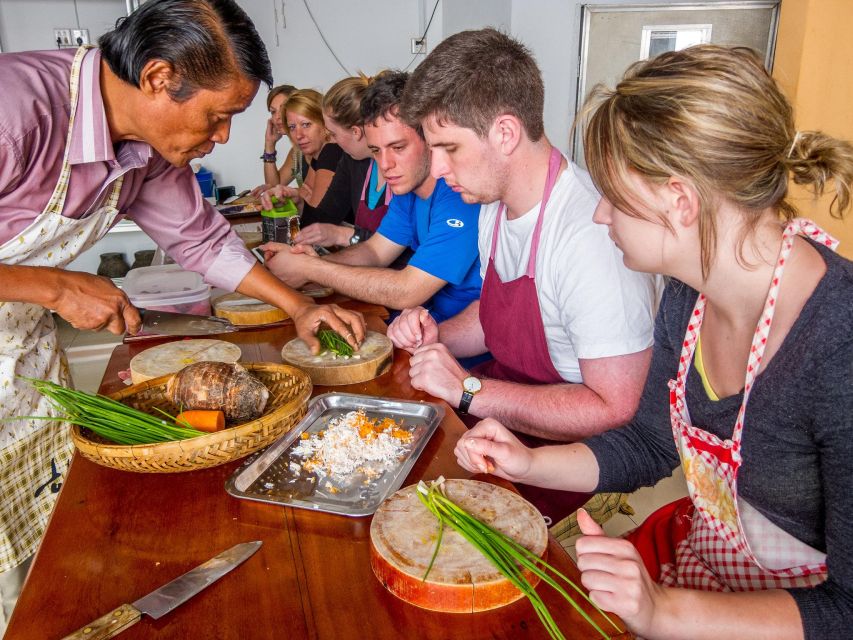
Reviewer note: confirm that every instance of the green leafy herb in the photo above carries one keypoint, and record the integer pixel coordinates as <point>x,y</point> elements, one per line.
<point>109,418</point>
<point>332,341</point>
<point>509,557</point>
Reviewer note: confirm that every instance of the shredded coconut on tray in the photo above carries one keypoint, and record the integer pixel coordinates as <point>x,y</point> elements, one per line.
<point>352,441</point>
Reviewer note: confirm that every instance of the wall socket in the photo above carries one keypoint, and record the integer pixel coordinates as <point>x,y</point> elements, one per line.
<point>80,36</point>
<point>419,45</point>
<point>70,37</point>
<point>62,37</point>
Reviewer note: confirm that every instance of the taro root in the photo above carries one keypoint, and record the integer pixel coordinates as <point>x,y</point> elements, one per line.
<point>219,386</point>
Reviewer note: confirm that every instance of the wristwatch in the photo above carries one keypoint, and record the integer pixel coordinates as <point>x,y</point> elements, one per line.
<point>470,387</point>
<point>356,236</point>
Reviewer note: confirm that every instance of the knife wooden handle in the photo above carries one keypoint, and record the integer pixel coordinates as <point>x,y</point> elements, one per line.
<point>109,625</point>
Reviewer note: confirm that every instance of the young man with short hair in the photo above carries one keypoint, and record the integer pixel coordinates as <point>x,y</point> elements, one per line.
<point>569,326</point>
<point>443,274</point>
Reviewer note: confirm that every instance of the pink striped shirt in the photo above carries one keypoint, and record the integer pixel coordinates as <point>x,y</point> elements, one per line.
<point>163,200</point>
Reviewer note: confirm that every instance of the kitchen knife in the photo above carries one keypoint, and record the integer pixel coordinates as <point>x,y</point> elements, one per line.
<point>161,601</point>
<point>166,323</point>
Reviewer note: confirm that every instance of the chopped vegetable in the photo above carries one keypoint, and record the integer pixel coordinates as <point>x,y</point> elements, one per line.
<point>202,419</point>
<point>509,557</point>
<point>332,341</point>
<point>109,418</point>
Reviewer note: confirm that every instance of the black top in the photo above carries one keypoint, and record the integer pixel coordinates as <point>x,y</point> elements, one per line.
<point>341,200</point>
<point>797,439</point>
<point>328,159</point>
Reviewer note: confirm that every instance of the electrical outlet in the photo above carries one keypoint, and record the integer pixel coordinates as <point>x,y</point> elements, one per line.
<point>80,36</point>
<point>419,45</point>
<point>62,37</point>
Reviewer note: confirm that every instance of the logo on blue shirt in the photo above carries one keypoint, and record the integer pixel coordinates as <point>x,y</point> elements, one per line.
<point>455,223</point>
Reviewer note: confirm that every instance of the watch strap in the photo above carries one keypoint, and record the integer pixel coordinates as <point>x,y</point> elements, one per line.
<point>465,402</point>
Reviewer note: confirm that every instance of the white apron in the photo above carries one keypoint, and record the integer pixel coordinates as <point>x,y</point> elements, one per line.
<point>34,454</point>
<point>731,546</point>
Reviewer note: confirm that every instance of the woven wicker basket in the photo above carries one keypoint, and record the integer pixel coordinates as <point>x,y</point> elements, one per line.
<point>289,389</point>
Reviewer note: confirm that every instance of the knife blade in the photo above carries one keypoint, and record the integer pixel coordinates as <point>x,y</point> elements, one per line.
<point>167,323</point>
<point>172,594</point>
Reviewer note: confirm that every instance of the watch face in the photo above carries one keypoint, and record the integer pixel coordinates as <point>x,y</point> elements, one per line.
<point>471,384</point>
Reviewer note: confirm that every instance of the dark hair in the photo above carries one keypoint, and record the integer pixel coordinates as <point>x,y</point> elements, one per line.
<point>474,76</point>
<point>382,98</point>
<point>206,41</point>
<point>285,89</point>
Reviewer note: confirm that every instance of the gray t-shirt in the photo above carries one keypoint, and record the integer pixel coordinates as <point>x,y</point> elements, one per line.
<point>797,441</point>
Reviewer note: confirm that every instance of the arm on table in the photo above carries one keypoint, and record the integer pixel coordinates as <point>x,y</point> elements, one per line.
<point>359,272</point>
<point>608,397</point>
<point>85,301</point>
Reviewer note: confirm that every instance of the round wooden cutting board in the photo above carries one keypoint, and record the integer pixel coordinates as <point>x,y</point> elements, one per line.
<point>403,535</point>
<point>248,314</point>
<point>174,356</point>
<point>373,358</point>
<point>315,290</point>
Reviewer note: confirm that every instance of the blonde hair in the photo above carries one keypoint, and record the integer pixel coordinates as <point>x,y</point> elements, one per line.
<point>342,102</point>
<point>285,89</point>
<point>713,115</point>
<point>308,103</point>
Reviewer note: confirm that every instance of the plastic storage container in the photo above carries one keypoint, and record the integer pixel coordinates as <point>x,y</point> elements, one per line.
<point>205,182</point>
<point>168,288</point>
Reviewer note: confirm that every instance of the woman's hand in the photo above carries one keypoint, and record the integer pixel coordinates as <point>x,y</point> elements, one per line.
<point>271,136</point>
<point>491,448</point>
<point>349,324</point>
<point>613,572</point>
<point>325,235</point>
<point>413,328</point>
<point>279,191</point>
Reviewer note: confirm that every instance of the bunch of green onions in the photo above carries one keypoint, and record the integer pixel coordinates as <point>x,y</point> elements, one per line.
<point>332,341</point>
<point>509,557</point>
<point>109,418</point>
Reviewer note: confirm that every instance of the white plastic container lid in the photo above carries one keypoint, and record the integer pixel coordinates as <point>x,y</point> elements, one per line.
<point>167,284</point>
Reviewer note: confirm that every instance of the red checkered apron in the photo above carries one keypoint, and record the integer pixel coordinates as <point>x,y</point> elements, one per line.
<point>716,541</point>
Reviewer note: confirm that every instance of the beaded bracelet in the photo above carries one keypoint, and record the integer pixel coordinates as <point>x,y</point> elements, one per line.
<point>269,157</point>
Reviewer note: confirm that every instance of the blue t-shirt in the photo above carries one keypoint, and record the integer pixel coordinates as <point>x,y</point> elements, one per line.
<point>442,231</point>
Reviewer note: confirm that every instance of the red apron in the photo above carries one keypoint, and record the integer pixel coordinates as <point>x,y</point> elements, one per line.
<point>714,540</point>
<point>366,217</point>
<point>515,336</point>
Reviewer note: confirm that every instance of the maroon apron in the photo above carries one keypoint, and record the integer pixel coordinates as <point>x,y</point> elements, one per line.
<point>366,217</point>
<point>515,336</point>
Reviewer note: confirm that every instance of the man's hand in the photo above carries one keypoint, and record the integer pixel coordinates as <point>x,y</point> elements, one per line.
<point>350,324</point>
<point>413,328</point>
<point>325,235</point>
<point>94,303</point>
<point>288,263</point>
<point>492,448</point>
<point>617,579</point>
<point>433,369</point>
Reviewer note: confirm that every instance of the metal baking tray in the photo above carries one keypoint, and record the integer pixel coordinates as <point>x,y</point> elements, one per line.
<point>269,477</point>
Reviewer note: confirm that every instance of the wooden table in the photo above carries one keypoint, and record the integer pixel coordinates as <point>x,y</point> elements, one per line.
<point>115,536</point>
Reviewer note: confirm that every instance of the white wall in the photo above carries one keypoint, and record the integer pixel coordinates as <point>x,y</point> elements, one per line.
<point>367,35</point>
<point>29,24</point>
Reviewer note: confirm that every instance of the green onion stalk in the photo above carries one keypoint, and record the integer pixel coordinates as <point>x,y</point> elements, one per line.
<point>109,418</point>
<point>509,557</point>
<point>332,341</point>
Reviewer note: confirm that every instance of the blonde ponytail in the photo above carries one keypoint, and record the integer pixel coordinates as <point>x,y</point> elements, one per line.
<point>816,159</point>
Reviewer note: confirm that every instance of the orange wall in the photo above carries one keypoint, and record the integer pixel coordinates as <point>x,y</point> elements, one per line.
<point>814,66</point>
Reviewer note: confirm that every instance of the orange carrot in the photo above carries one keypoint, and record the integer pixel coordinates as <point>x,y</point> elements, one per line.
<point>202,419</point>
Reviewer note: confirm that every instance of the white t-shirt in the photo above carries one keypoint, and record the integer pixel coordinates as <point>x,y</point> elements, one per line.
<point>592,305</point>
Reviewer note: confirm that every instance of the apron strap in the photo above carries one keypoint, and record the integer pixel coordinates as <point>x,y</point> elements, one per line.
<point>554,162</point>
<point>57,199</point>
<point>796,226</point>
